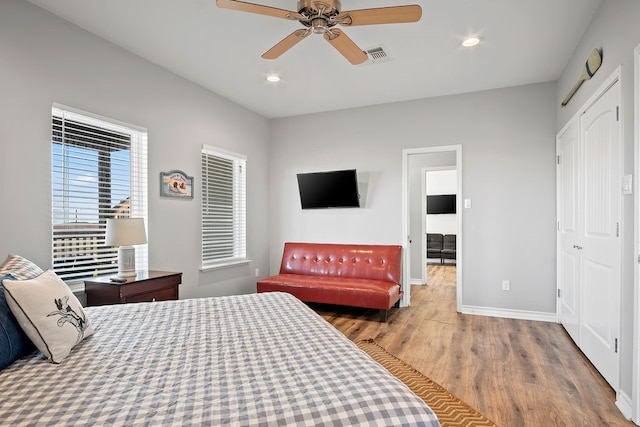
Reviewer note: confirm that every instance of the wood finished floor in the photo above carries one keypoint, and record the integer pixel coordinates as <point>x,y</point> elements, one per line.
<point>516,372</point>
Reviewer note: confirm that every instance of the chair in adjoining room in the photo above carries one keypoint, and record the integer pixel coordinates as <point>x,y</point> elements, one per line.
<point>448,247</point>
<point>434,245</point>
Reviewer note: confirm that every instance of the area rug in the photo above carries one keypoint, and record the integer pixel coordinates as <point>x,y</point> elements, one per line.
<point>451,411</point>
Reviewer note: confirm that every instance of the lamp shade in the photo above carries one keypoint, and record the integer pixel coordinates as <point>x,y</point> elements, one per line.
<point>125,232</point>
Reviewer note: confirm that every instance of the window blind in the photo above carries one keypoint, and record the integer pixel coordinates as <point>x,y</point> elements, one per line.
<point>223,207</point>
<point>99,171</point>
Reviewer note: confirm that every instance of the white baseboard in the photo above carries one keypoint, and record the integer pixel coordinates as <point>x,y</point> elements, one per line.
<point>416,281</point>
<point>509,314</point>
<point>624,404</point>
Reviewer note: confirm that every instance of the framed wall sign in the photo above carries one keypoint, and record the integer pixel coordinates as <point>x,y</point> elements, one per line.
<point>176,183</point>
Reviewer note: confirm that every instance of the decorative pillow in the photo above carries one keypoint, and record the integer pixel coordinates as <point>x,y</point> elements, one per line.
<point>14,343</point>
<point>20,268</point>
<point>49,314</point>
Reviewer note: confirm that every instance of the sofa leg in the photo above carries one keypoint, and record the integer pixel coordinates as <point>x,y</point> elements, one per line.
<point>383,315</point>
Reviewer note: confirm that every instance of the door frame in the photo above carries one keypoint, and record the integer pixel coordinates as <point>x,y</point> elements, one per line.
<point>406,272</point>
<point>635,388</point>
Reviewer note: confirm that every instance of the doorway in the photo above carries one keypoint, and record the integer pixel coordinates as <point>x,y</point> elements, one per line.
<point>414,161</point>
<point>439,218</point>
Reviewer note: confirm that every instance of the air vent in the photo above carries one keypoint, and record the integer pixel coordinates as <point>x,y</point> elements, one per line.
<point>377,55</point>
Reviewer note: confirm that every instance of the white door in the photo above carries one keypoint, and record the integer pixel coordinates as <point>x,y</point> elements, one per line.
<point>601,248</point>
<point>569,229</point>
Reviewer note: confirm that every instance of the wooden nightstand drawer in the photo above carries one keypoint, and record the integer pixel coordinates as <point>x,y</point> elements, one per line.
<point>163,295</point>
<point>133,288</point>
<point>146,286</point>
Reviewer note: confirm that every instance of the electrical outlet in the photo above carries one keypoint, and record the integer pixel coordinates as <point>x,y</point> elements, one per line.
<point>257,272</point>
<point>506,285</point>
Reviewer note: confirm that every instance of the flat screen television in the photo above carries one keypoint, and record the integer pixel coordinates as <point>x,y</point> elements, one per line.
<point>335,189</point>
<point>441,204</point>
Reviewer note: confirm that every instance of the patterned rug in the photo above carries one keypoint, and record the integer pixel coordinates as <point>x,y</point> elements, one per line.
<point>451,411</point>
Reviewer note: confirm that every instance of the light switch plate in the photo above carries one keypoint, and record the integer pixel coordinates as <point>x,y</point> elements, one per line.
<point>467,203</point>
<point>627,184</point>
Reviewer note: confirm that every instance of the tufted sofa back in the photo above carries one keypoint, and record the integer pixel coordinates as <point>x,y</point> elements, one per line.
<point>377,262</point>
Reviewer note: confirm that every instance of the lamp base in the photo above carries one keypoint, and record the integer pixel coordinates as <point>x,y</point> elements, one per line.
<point>126,262</point>
<point>127,274</point>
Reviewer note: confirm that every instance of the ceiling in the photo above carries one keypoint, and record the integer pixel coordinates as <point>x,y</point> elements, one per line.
<point>523,41</point>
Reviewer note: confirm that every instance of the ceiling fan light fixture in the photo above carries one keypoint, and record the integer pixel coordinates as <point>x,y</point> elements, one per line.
<point>470,41</point>
<point>319,26</point>
<point>273,78</point>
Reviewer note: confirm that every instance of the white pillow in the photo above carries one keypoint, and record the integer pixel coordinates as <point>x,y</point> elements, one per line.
<point>49,313</point>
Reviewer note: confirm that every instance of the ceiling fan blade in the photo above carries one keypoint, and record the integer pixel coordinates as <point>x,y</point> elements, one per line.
<point>259,9</point>
<point>380,15</point>
<point>286,44</point>
<point>345,46</point>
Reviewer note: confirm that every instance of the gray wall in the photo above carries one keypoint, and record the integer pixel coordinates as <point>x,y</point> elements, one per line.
<point>616,30</point>
<point>44,59</point>
<point>508,168</point>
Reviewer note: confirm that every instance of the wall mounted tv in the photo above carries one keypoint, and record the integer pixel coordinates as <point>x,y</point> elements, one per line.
<point>335,189</point>
<point>441,204</point>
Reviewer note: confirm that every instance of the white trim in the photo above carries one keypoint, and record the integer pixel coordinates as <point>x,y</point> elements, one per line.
<point>406,296</point>
<point>538,316</point>
<point>406,152</point>
<point>624,404</point>
<point>423,225</point>
<point>83,115</point>
<point>223,265</point>
<point>635,388</point>
<point>220,152</point>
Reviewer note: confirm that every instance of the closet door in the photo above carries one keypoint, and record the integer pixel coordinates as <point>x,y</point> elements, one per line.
<point>569,229</point>
<point>600,285</point>
<point>589,185</point>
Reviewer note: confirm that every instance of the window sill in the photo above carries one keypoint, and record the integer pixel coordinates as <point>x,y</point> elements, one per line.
<point>225,264</point>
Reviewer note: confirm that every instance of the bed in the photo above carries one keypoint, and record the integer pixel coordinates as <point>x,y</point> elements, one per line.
<point>247,360</point>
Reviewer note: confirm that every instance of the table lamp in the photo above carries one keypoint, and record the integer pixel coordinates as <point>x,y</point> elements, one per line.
<point>124,233</point>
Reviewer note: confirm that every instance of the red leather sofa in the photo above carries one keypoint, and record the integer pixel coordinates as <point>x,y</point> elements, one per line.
<point>366,276</point>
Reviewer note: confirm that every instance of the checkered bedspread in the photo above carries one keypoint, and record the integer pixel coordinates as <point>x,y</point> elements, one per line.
<point>250,360</point>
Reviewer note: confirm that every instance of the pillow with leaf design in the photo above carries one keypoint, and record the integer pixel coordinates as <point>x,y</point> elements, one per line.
<point>49,313</point>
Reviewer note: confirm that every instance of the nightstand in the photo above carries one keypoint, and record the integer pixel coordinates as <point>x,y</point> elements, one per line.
<point>147,286</point>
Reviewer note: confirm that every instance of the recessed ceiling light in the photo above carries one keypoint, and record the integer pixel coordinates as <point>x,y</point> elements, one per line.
<point>471,41</point>
<point>273,78</point>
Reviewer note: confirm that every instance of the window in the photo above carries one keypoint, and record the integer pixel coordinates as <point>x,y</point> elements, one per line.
<point>98,171</point>
<point>223,208</point>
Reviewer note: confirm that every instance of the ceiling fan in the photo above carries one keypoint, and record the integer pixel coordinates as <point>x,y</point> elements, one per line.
<point>320,17</point>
